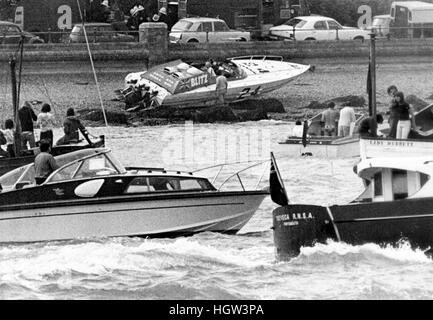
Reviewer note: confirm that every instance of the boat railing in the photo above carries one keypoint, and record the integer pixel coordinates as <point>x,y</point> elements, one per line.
<point>258,57</point>
<point>222,166</point>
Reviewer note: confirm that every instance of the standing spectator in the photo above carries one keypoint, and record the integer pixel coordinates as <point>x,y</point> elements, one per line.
<point>393,114</point>
<point>366,126</point>
<point>71,126</point>
<point>221,87</point>
<point>46,123</point>
<point>347,117</point>
<point>27,116</point>
<point>9,135</point>
<point>45,163</point>
<point>403,112</point>
<point>163,16</point>
<point>330,119</point>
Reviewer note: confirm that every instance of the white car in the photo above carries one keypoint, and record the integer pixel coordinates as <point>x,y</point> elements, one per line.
<point>201,29</point>
<point>316,28</point>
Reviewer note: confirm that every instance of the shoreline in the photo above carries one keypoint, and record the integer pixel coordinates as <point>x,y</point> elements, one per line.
<point>65,85</point>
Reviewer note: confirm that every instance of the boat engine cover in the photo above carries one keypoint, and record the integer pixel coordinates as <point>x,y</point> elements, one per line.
<point>297,226</point>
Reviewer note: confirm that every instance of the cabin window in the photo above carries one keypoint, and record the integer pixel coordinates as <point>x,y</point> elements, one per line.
<point>155,184</point>
<point>66,173</point>
<point>399,184</point>
<point>378,190</point>
<point>94,167</point>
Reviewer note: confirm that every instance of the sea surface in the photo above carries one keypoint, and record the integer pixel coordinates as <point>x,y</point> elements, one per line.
<point>216,266</point>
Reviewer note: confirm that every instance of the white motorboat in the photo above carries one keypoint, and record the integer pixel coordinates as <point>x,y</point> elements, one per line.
<point>177,83</point>
<point>316,144</point>
<point>93,195</point>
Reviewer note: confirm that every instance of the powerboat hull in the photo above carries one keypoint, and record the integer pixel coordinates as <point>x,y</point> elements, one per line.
<point>297,226</point>
<point>389,147</point>
<point>237,92</point>
<point>148,216</point>
<point>323,147</point>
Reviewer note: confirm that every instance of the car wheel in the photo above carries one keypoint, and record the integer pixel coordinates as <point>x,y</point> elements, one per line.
<point>359,38</point>
<point>242,39</point>
<point>192,41</point>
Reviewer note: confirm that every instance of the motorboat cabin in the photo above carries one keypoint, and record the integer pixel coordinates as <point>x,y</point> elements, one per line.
<point>389,179</point>
<point>93,195</point>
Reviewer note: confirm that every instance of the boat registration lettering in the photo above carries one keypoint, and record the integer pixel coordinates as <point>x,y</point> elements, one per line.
<point>295,216</point>
<point>391,143</point>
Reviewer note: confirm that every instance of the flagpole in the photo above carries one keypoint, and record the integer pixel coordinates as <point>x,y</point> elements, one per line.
<point>373,81</point>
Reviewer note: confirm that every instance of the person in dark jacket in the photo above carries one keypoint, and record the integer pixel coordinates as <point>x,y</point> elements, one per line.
<point>366,126</point>
<point>403,112</point>
<point>393,115</point>
<point>71,128</point>
<point>27,116</point>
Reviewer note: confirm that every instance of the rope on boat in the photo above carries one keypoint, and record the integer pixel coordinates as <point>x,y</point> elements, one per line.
<point>93,66</point>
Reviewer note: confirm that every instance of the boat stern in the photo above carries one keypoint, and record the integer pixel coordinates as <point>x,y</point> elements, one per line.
<point>297,226</point>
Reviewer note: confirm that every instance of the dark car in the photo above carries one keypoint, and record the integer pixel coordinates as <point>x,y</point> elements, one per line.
<point>98,32</point>
<point>12,33</point>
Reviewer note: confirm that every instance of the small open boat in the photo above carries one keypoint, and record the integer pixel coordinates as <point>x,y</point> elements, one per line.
<point>395,205</point>
<point>93,195</point>
<point>180,84</point>
<point>317,145</point>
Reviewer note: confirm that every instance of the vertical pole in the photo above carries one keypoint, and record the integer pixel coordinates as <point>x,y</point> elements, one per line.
<point>17,144</point>
<point>373,80</point>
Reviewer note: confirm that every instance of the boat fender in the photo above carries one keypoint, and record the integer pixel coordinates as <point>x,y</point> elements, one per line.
<point>297,226</point>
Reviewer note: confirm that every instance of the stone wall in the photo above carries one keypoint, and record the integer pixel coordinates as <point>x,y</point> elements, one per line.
<point>157,54</point>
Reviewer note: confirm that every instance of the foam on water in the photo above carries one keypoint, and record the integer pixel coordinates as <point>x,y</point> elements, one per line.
<point>215,266</point>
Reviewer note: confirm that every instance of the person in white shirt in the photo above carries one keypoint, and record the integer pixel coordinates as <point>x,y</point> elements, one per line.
<point>298,129</point>
<point>46,123</point>
<point>347,117</point>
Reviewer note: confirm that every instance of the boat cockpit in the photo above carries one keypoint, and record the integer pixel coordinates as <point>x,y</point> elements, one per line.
<point>315,128</point>
<point>383,184</point>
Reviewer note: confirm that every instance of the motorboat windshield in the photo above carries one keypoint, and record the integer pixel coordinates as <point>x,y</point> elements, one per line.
<point>74,165</point>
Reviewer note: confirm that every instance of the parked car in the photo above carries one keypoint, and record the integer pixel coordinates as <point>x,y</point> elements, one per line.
<point>316,28</point>
<point>12,33</point>
<point>98,32</point>
<point>201,29</point>
<point>380,25</point>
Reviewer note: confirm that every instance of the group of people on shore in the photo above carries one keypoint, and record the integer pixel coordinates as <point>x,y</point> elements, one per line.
<point>45,120</point>
<point>338,123</point>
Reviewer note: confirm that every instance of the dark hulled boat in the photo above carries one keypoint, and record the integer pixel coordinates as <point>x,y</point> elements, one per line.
<point>396,205</point>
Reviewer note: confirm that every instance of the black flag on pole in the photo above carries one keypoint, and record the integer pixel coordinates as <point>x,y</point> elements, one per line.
<point>276,185</point>
<point>304,134</point>
<point>369,90</point>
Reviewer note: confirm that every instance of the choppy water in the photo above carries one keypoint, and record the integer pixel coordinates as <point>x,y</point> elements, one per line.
<point>215,266</point>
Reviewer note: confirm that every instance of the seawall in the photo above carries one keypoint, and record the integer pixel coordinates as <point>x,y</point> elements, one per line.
<point>289,50</point>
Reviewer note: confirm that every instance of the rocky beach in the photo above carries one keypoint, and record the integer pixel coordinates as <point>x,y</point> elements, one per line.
<point>71,84</point>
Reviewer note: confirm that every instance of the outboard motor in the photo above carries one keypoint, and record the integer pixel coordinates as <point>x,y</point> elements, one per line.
<point>297,226</point>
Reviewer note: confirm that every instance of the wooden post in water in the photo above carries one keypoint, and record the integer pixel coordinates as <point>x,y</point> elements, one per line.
<point>17,136</point>
<point>373,81</point>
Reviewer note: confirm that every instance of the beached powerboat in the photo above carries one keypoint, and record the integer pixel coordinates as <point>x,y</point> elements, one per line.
<point>316,144</point>
<point>180,84</point>
<point>396,205</point>
<point>93,195</point>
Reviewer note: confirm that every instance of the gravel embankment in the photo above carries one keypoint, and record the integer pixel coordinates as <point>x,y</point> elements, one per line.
<point>72,84</point>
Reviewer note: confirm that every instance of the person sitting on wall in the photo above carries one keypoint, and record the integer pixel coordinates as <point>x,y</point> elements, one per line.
<point>366,126</point>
